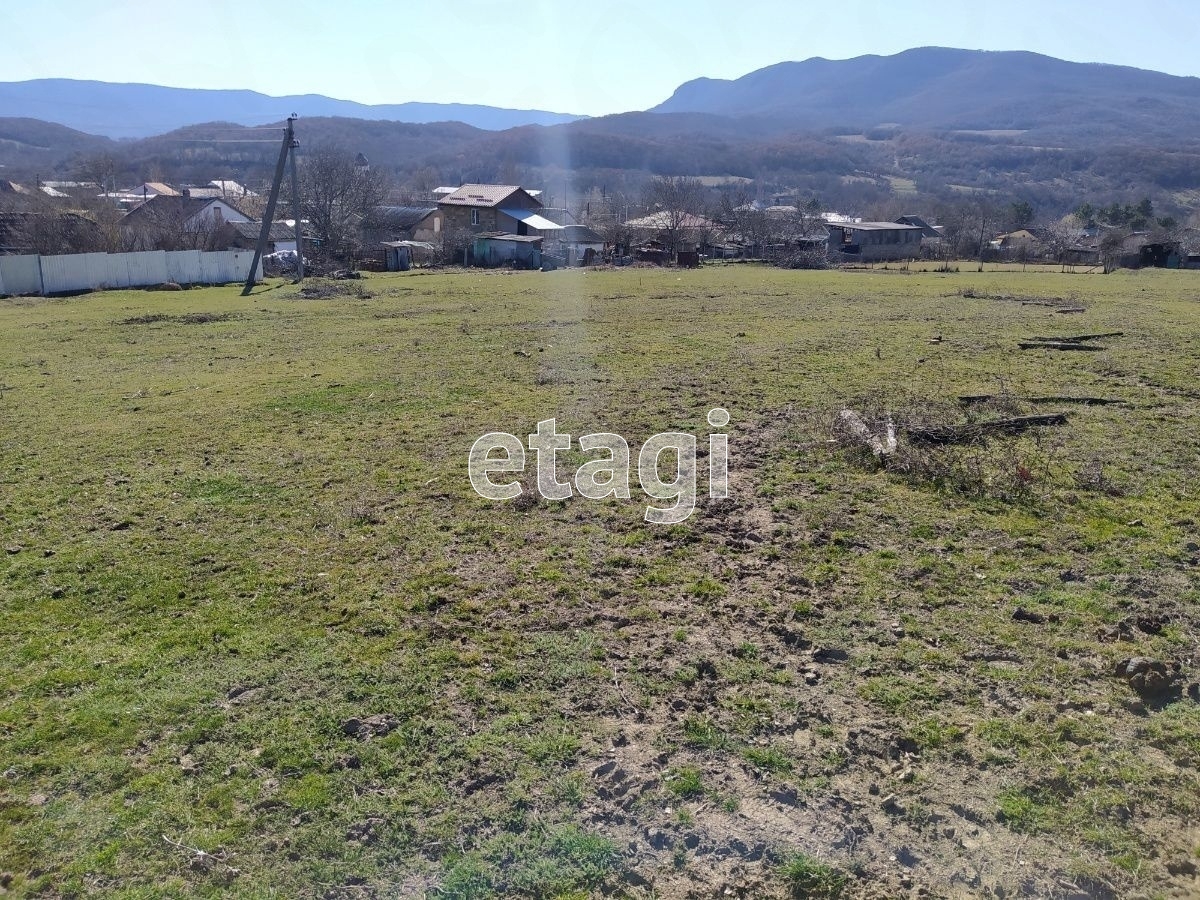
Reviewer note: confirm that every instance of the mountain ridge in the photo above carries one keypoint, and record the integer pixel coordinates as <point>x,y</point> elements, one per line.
<point>933,123</point>
<point>138,110</point>
<point>948,88</point>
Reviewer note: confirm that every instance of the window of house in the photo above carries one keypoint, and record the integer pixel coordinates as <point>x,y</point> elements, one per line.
<point>474,217</point>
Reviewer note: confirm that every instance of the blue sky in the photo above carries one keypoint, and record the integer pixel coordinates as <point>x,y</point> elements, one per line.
<point>580,57</point>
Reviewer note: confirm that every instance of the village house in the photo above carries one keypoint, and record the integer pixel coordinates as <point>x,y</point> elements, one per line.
<point>69,190</point>
<point>221,188</point>
<point>387,224</point>
<point>579,245</point>
<point>673,231</point>
<point>928,232</point>
<point>871,241</point>
<point>166,222</point>
<point>1141,251</point>
<point>135,196</point>
<point>494,208</point>
<point>507,249</point>
<point>25,232</point>
<point>1023,241</point>
<point>244,236</point>
<point>148,189</point>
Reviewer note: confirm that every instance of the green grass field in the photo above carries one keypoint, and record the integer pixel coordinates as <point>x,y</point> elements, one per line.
<point>261,639</point>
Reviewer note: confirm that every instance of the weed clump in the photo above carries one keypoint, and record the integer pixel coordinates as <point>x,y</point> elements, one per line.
<point>327,290</point>
<point>186,319</point>
<point>981,465</point>
<point>810,879</point>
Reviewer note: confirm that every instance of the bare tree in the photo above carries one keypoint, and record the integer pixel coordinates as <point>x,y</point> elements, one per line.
<point>969,222</point>
<point>606,214</point>
<point>1110,249</point>
<point>1059,239</point>
<point>616,234</point>
<point>99,169</point>
<point>676,205</point>
<point>796,224</point>
<point>747,222</point>
<point>336,195</point>
<point>454,242</point>
<point>108,224</point>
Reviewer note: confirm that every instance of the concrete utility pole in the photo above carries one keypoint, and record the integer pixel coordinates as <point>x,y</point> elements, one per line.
<point>296,211</point>
<point>264,233</point>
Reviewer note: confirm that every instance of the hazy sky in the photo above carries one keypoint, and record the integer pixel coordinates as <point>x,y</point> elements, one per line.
<point>579,57</point>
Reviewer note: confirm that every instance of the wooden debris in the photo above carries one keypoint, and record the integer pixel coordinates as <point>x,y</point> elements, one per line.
<point>1076,342</point>
<point>973,399</point>
<point>1082,401</point>
<point>1072,309</point>
<point>963,434</point>
<point>1079,338</point>
<point>858,429</point>
<point>1058,345</point>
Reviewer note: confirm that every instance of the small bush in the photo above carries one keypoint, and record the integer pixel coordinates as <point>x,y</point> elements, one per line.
<point>992,467</point>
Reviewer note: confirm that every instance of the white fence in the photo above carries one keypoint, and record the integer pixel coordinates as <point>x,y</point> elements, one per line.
<point>20,275</point>
<point>98,271</point>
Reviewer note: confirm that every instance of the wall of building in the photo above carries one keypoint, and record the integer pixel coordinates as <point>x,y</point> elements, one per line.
<point>876,244</point>
<point>429,229</point>
<point>216,213</point>
<point>493,252</point>
<point>458,218</point>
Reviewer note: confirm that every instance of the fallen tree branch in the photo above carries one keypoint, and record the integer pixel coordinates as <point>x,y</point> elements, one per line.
<point>972,399</point>
<point>1058,345</point>
<point>963,434</point>
<point>1079,338</point>
<point>1082,401</point>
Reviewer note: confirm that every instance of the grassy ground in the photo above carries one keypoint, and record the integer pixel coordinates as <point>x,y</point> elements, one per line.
<point>233,530</point>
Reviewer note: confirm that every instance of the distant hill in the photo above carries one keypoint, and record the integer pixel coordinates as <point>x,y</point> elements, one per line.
<point>939,88</point>
<point>141,110</point>
<point>248,154</point>
<point>30,145</point>
<point>901,133</point>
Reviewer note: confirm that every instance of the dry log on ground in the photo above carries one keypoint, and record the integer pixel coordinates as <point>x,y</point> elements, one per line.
<point>972,399</point>
<point>1082,401</point>
<point>1079,338</point>
<point>963,434</point>
<point>1059,345</point>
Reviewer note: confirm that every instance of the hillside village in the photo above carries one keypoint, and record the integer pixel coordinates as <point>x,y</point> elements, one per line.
<point>676,221</point>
